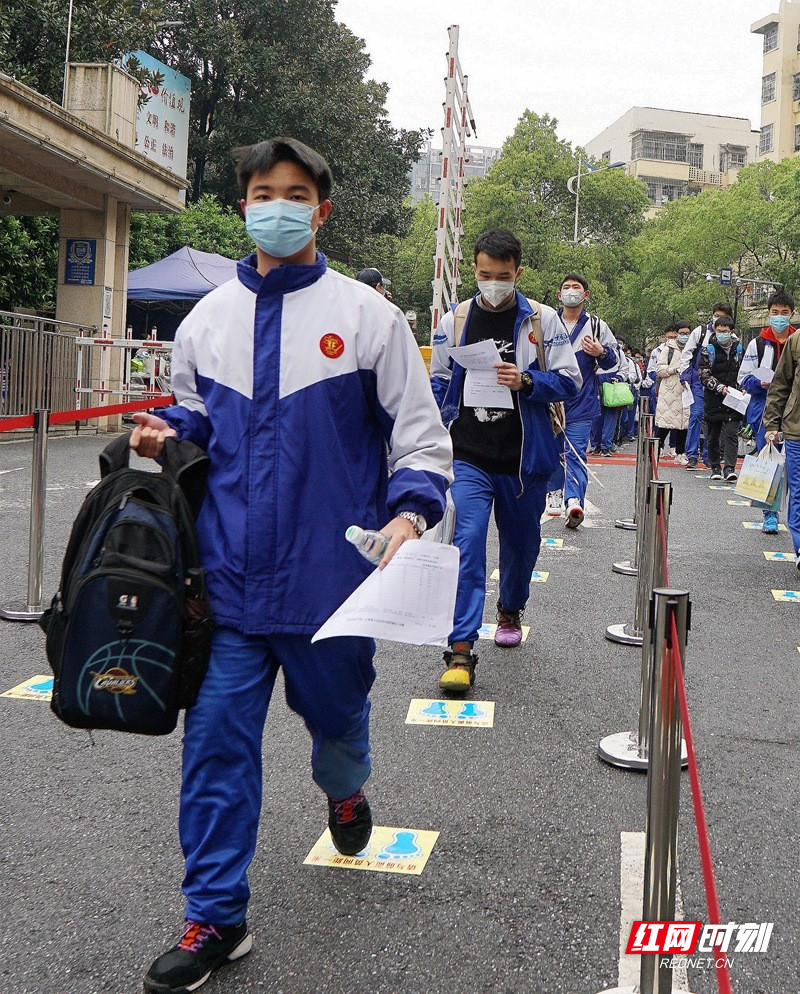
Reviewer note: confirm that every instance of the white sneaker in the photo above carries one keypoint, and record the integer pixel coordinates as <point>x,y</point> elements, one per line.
<point>681,460</point>
<point>667,452</point>
<point>555,503</point>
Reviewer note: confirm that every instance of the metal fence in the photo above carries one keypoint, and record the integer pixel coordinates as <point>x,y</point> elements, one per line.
<point>38,364</point>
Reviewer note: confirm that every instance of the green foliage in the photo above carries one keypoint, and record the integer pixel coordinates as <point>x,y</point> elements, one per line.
<point>263,68</point>
<point>205,226</point>
<point>29,254</point>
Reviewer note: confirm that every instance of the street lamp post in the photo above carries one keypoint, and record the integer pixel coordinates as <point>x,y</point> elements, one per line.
<point>574,187</point>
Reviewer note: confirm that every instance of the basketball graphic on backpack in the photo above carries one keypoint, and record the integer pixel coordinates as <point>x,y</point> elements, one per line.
<point>125,678</point>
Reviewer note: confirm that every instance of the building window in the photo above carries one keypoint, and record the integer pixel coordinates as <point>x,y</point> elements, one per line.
<point>732,157</point>
<point>796,86</point>
<point>771,38</point>
<point>767,88</point>
<point>765,142</point>
<point>661,190</point>
<point>663,146</point>
<point>696,155</point>
<point>797,137</point>
<point>606,156</point>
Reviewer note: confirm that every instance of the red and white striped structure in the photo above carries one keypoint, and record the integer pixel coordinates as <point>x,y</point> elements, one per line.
<point>458,123</point>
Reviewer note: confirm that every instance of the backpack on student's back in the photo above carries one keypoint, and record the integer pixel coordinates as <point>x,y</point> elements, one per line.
<point>129,631</point>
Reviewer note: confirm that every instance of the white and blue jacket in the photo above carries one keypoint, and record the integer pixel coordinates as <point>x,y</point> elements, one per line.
<point>594,371</point>
<point>560,382</point>
<point>295,383</point>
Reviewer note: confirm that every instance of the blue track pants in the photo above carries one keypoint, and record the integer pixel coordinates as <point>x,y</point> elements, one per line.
<point>574,480</point>
<point>327,685</point>
<point>518,524</point>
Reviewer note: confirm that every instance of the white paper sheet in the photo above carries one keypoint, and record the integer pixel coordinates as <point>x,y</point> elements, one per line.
<point>736,400</point>
<point>481,388</point>
<point>763,373</point>
<point>688,396</point>
<point>412,601</point>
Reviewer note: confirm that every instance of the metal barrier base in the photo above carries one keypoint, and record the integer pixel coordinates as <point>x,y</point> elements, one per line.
<point>627,524</point>
<point>624,634</point>
<point>631,990</point>
<point>622,749</point>
<point>21,612</point>
<point>626,568</point>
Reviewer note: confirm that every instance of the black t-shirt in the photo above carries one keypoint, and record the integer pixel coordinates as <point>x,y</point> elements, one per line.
<point>486,437</point>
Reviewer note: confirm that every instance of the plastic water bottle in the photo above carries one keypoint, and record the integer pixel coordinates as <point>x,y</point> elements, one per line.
<point>370,544</point>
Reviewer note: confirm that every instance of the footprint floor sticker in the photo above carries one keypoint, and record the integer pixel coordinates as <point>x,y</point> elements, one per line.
<point>457,714</point>
<point>390,850</point>
<point>38,688</point>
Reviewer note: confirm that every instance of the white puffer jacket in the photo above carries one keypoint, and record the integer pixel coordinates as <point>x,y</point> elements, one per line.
<point>670,412</point>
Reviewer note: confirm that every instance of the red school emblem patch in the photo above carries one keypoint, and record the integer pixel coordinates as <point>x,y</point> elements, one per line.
<point>532,337</point>
<point>331,346</point>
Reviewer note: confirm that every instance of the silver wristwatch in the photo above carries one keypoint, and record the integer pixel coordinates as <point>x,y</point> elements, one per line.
<point>419,523</point>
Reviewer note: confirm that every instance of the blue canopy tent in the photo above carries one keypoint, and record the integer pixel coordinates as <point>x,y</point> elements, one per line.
<point>162,294</point>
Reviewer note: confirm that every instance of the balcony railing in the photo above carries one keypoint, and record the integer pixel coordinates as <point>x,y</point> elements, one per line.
<point>704,177</point>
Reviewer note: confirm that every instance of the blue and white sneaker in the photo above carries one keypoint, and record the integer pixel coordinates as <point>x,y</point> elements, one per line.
<point>770,526</point>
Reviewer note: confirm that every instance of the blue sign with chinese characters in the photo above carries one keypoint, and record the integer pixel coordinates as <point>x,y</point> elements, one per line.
<point>80,260</point>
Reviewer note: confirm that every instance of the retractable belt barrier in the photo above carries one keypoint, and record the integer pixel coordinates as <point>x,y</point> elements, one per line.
<point>659,745</point>
<point>31,609</point>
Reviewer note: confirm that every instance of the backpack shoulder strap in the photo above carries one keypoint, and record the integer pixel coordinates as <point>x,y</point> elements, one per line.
<point>460,319</point>
<point>594,322</point>
<point>761,345</point>
<point>538,334</point>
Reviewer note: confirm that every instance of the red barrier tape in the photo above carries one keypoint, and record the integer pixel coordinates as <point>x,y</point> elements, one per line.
<point>703,839</point>
<point>87,413</point>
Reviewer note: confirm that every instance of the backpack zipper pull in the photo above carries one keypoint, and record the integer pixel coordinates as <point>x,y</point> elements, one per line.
<point>125,498</point>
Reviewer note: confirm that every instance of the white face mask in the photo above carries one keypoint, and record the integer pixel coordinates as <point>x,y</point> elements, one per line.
<point>572,298</point>
<point>494,292</point>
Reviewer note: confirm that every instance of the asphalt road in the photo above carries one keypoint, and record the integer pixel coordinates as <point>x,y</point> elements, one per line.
<point>522,890</point>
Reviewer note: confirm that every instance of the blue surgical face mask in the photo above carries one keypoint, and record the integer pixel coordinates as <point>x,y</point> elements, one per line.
<point>683,339</point>
<point>723,337</point>
<point>778,322</point>
<point>280,227</point>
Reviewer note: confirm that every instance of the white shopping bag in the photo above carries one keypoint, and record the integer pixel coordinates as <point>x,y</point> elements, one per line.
<point>761,475</point>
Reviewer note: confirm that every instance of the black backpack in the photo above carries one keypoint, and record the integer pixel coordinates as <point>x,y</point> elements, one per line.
<point>129,631</point>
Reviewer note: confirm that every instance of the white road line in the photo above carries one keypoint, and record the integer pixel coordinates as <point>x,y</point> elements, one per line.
<point>17,469</point>
<point>631,884</point>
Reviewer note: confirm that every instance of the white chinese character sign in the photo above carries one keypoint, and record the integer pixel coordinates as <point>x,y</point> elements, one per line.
<point>162,124</point>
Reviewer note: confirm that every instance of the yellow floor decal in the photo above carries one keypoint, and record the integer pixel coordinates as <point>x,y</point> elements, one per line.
<point>38,688</point>
<point>779,557</point>
<point>552,543</point>
<point>787,595</point>
<point>757,524</point>
<point>487,632</point>
<point>739,503</point>
<point>537,576</point>
<point>461,714</point>
<point>390,850</point>
<point>720,486</point>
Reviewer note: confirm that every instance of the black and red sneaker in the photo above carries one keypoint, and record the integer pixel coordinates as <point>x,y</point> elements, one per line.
<point>201,950</point>
<point>350,823</point>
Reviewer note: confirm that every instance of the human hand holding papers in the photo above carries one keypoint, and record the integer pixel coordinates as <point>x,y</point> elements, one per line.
<point>481,388</point>
<point>736,400</point>
<point>412,600</point>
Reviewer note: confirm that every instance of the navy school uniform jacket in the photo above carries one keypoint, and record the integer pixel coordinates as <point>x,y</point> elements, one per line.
<point>296,383</point>
<point>561,381</point>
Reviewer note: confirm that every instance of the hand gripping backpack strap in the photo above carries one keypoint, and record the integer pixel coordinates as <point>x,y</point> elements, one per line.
<point>555,410</point>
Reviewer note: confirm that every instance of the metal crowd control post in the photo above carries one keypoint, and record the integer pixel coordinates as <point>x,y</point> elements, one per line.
<point>631,633</point>
<point>32,610</point>
<point>646,424</point>
<point>664,777</point>
<point>646,463</point>
<point>630,750</point>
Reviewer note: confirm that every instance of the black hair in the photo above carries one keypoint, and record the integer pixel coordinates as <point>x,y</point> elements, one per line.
<point>670,327</point>
<point>260,158</point>
<point>499,244</point>
<point>722,306</point>
<point>782,298</point>
<point>578,279</point>
<point>682,324</point>
<point>724,321</point>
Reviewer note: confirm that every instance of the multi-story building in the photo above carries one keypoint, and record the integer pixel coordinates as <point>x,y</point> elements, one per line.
<point>677,153</point>
<point>426,173</point>
<point>780,82</point>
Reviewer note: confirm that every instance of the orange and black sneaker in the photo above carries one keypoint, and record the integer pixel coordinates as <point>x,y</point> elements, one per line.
<point>460,662</point>
<point>201,950</point>
<point>350,823</point>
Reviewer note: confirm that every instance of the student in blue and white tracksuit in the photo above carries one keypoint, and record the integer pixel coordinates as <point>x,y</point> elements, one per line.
<point>596,351</point>
<point>296,380</point>
<point>502,456</point>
